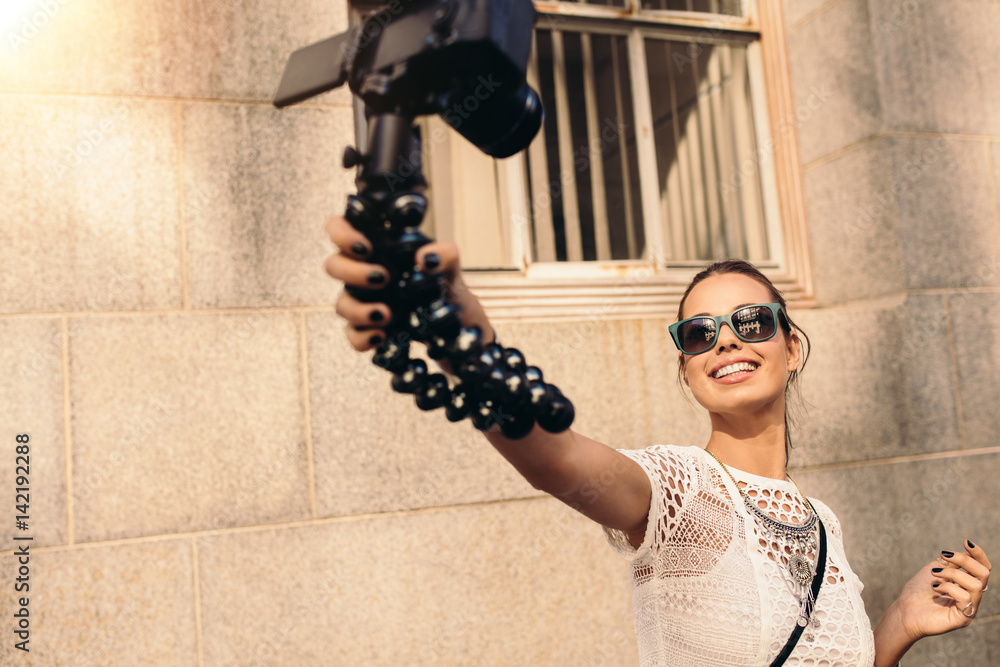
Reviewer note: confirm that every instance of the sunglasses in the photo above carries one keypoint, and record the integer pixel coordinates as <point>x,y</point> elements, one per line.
<point>751,324</point>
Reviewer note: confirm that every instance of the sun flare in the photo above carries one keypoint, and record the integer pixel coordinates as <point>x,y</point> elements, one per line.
<point>22,20</point>
<point>13,12</point>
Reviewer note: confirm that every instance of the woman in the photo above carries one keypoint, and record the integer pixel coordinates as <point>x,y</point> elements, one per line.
<point>726,552</point>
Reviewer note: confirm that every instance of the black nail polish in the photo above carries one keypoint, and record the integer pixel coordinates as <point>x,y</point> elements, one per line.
<point>947,554</point>
<point>971,545</point>
<point>376,316</point>
<point>360,249</point>
<point>376,278</point>
<point>432,261</point>
<point>937,569</point>
<point>935,585</point>
<point>375,340</point>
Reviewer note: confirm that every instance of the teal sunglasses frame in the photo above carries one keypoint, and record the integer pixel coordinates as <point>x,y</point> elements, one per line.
<point>719,320</point>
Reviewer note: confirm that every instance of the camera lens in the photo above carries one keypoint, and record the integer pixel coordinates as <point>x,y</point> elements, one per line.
<point>500,125</point>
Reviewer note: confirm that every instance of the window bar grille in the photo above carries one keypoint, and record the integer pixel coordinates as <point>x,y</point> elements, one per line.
<point>541,195</point>
<point>721,73</point>
<point>704,189</point>
<point>751,182</point>
<point>716,240</point>
<point>623,144</point>
<point>673,196</point>
<point>693,140</point>
<point>681,221</point>
<point>595,157</point>
<point>645,150</point>
<point>711,208</point>
<point>566,176</point>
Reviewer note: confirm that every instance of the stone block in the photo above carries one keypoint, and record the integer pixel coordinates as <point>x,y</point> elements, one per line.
<point>853,222</point>
<point>107,606</point>
<point>91,196</point>
<point>929,418</point>
<point>515,583</point>
<point>258,185</point>
<point>946,217</point>
<point>31,403</point>
<point>937,62</point>
<point>834,80</point>
<point>945,212</point>
<point>673,415</point>
<point>375,451</point>
<point>186,422</point>
<point>898,517</point>
<point>877,383</point>
<point>597,362</point>
<point>977,348</point>
<point>850,410</point>
<point>163,48</point>
<point>978,644</point>
<point>995,160</point>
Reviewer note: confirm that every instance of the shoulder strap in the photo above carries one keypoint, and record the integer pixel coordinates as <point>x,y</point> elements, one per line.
<point>816,583</point>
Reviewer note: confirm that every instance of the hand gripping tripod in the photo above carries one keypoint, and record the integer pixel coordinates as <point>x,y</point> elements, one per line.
<point>491,384</point>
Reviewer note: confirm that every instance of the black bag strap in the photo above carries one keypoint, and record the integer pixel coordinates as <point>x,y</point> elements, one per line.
<point>816,583</point>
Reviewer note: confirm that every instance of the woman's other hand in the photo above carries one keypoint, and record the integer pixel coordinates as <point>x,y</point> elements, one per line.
<point>959,581</point>
<point>943,596</point>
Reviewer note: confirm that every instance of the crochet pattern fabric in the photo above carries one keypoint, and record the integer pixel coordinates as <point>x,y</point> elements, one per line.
<point>708,586</point>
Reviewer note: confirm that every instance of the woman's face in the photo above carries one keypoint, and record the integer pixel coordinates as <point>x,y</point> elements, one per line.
<point>761,386</point>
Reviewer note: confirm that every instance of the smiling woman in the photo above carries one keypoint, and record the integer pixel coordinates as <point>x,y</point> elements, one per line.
<point>732,564</point>
<point>755,324</point>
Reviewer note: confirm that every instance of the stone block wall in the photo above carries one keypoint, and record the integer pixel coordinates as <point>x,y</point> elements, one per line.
<point>900,164</point>
<point>216,479</point>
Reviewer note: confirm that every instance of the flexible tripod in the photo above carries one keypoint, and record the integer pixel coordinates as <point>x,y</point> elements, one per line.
<point>491,384</point>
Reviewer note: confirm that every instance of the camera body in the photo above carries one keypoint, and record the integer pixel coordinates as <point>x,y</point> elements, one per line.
<point>462,59</point>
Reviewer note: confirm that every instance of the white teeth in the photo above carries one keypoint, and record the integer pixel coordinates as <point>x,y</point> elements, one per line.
<point>734,368</point>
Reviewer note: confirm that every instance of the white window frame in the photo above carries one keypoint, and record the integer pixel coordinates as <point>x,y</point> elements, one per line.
<point>652,288</point>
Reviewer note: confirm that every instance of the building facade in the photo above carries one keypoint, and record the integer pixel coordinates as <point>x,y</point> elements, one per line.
<point>217,479</point>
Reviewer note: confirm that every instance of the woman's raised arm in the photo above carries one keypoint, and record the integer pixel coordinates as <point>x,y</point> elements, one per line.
<point>598,481</point>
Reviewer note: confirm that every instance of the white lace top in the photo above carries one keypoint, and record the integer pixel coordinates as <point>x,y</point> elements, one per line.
<point>709,589</point>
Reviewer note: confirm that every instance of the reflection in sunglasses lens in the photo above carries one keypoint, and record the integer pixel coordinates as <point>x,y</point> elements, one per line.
<point>697,335</point>
<point>754,323</point>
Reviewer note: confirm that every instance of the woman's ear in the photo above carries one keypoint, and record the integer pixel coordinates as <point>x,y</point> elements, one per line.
<point>681,361</point>
<point>793,345</point>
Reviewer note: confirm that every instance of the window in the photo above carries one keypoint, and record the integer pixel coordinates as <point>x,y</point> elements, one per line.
<point>586,170</point>
<point>664,146</point>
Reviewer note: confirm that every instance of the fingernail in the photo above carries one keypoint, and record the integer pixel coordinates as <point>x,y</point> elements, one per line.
<point>376,316</point>
<point>971,545</point>
<point>947,554</point>
<point>375,340</point>
<point>432,261</point>
<point>937,569</point>
<point>935,585</point>
<point>376,278</point>
<point>359,248</point>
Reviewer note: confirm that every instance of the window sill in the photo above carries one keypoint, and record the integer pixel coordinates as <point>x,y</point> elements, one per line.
<point>600,291</point>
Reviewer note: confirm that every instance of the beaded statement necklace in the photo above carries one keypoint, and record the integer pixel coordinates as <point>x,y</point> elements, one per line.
<point>787,535</point>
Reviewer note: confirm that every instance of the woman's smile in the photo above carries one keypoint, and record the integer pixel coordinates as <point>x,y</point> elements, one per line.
<point>732,371</point>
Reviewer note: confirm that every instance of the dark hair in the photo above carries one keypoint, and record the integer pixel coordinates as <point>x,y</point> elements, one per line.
<point>744,268</point>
